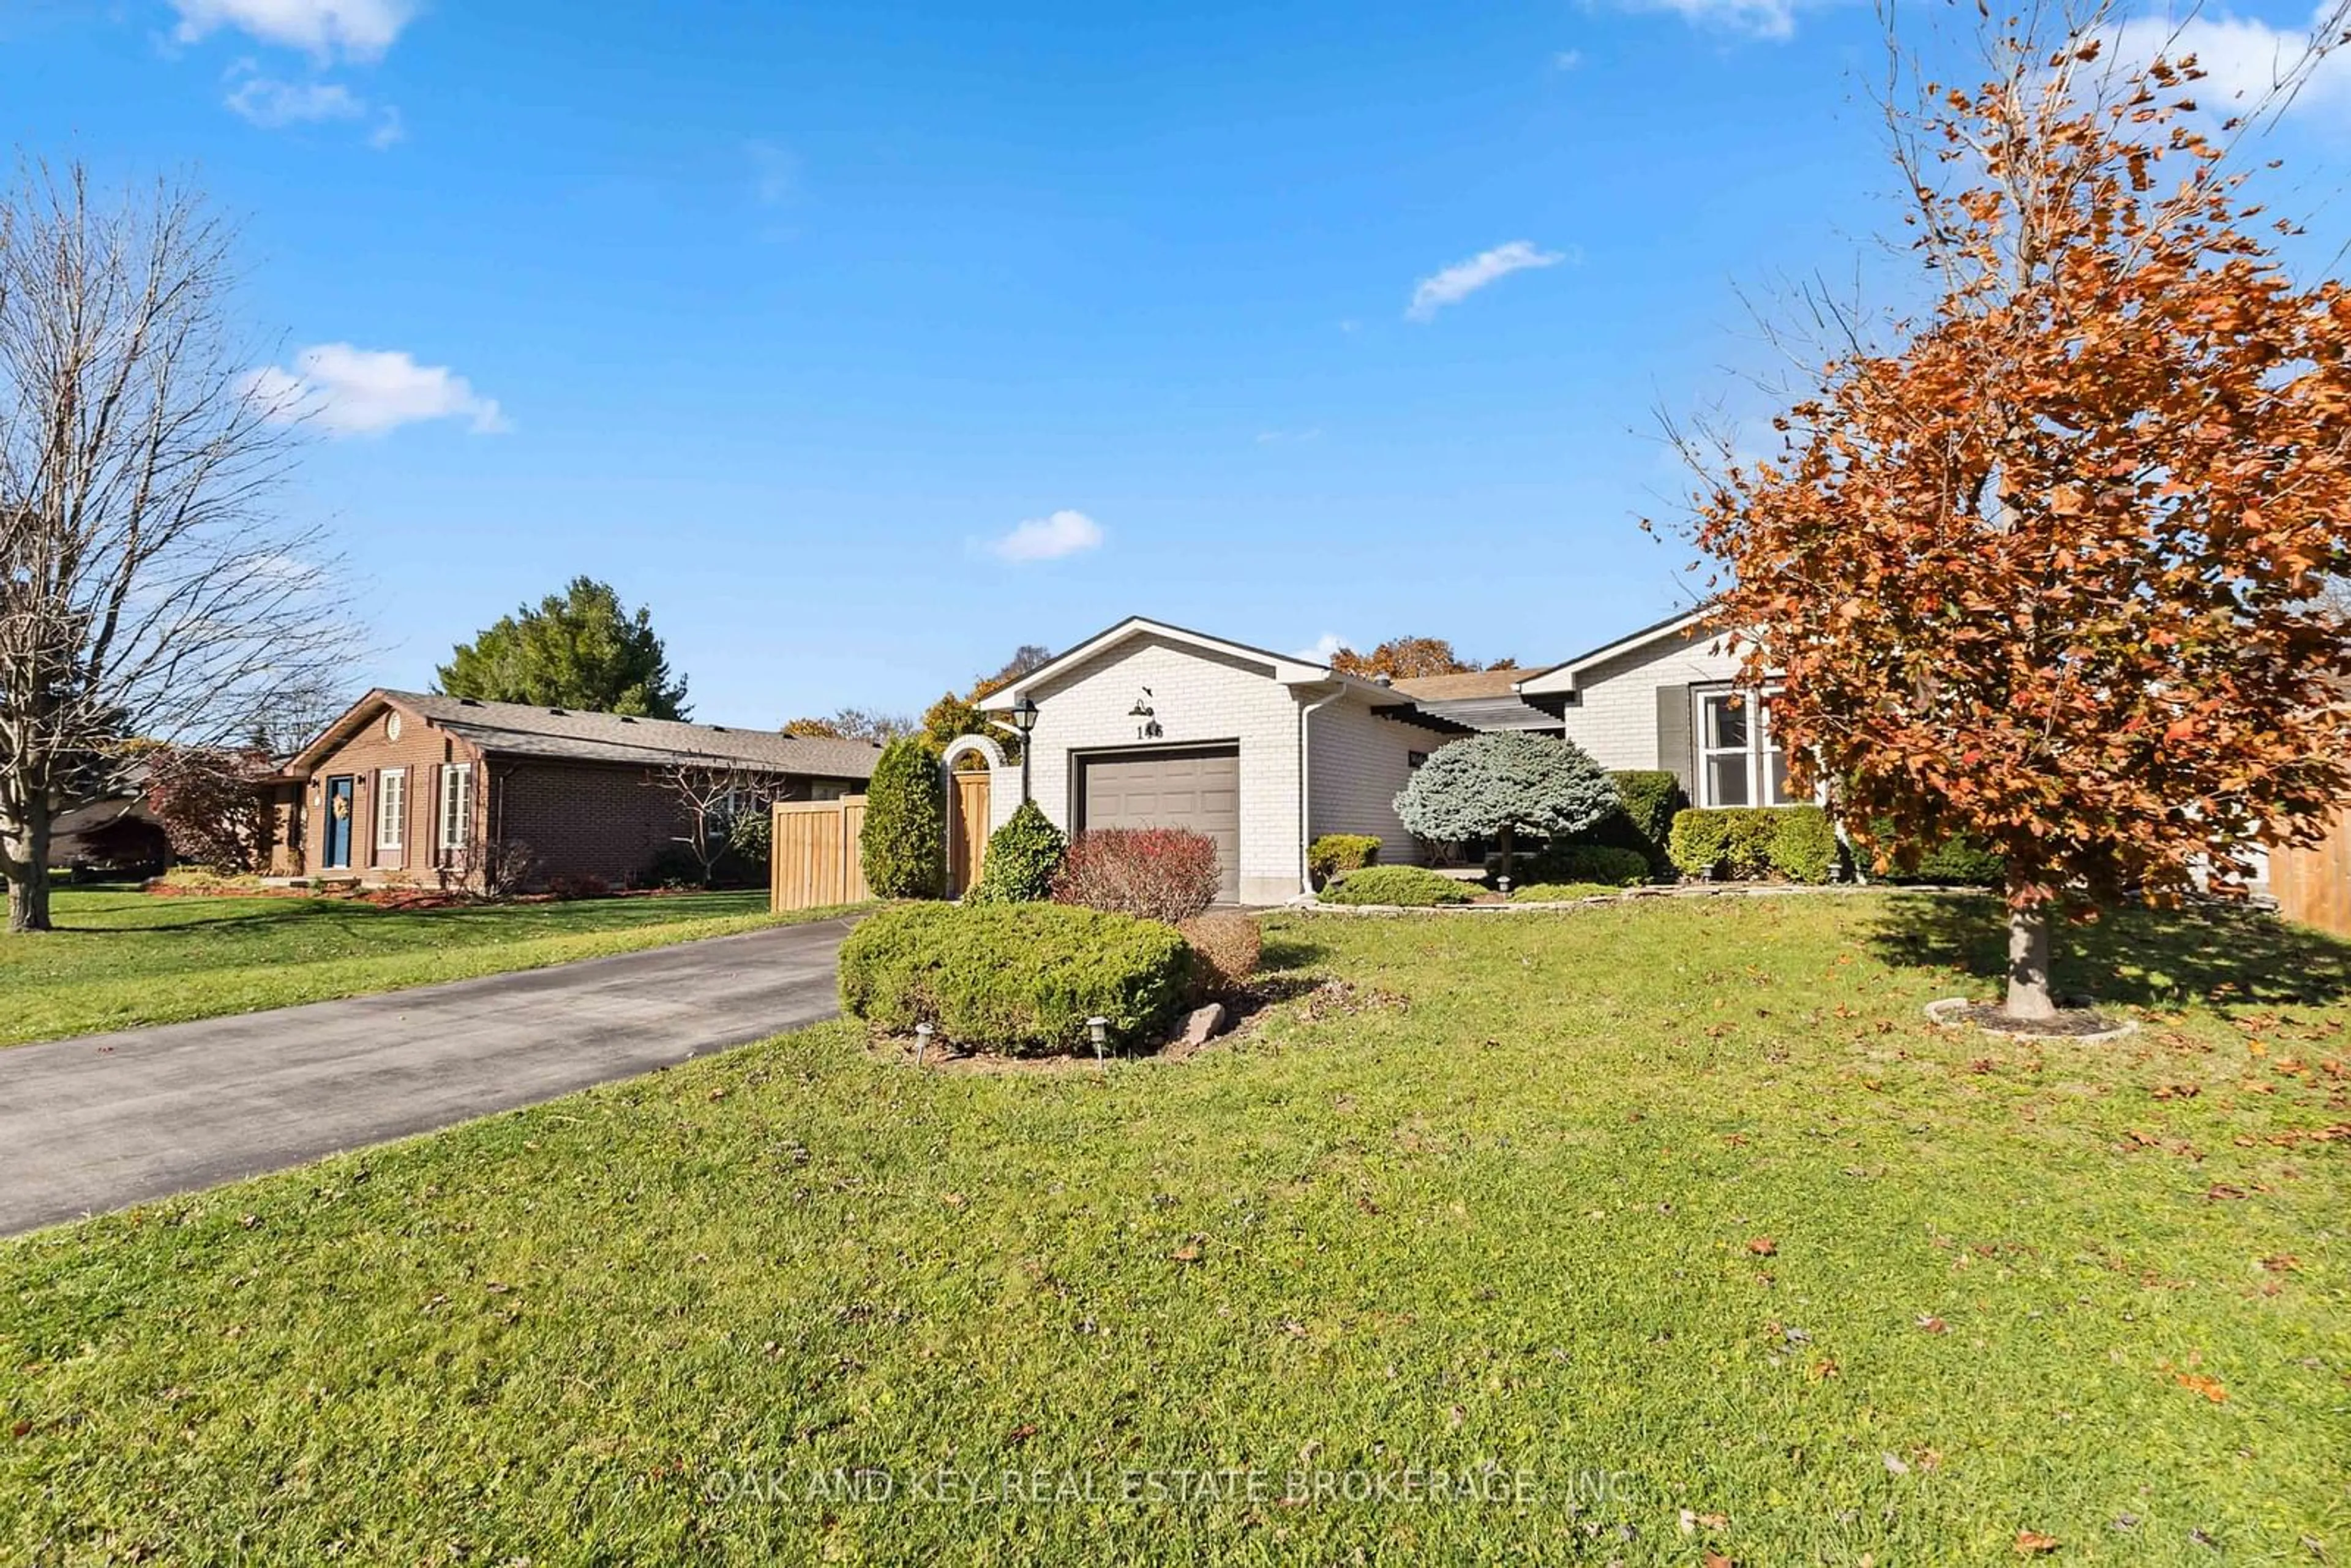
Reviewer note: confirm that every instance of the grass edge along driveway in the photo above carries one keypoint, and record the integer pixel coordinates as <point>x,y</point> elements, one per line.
<point>124,959</point>
<point>1680,1210</point>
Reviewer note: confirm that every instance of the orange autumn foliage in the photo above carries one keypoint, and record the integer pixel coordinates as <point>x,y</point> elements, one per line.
<point>2044,573</point>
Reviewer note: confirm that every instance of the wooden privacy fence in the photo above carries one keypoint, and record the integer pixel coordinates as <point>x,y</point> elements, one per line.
<point>2313,884</point>
<point>967,831</point>
<point>813,860</point>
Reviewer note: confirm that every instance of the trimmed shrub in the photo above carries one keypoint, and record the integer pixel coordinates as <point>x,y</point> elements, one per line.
<point>1153,873</point>
<point>1734,841</point>
<point>1409,885</point>
<point>904,846</point>
<point>1751,842</point>
<point>1225,953</point>
<point>1023,857</point>
<point>1021,978</point>
<point>1334,855</point>
<point>1650,797</point>
<point>1589,862</point>
<point>1959,860</point>
<point>1805,845</point>
<point>1562,891</point>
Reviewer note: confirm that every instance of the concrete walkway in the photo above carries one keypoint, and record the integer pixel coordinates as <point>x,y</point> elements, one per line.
<point>103,1121</point>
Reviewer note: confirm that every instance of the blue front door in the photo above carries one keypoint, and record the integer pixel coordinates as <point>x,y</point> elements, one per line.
<point>339,822</point>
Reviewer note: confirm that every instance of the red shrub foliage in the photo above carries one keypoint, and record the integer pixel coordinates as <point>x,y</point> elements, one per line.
<point>1156,873</point>
<point>210,804</point>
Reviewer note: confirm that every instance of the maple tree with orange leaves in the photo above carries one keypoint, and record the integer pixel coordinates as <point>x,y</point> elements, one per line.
<point>2045,572</point>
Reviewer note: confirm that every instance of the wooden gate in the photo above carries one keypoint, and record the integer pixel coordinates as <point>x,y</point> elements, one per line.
<point>814,860</point>
<point>967,831</point>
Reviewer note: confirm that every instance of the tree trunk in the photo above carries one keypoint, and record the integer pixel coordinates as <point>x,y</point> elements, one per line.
<point>24,861</point>
<point>1503,839</point>
<point>2028,962</point>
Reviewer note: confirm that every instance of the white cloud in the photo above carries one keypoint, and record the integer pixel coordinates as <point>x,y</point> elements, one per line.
<point>2243,60</point>
<point>1774,19</point>
<point>1463,279</point>
<point>1567,59</point>
<point>1325,649</point>
<point>354,29</point>
<point>1064,532</point>
<point>365,392</point>
<point>269,104</point>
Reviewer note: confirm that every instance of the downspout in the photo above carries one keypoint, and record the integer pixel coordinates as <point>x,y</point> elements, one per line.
<point>1305,786</point>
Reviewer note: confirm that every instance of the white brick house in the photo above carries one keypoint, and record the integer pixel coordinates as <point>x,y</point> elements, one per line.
<point>1151,725</point>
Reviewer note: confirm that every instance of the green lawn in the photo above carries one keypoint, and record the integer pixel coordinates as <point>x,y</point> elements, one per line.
<point>123,957</point>
<point>1677,1215</point>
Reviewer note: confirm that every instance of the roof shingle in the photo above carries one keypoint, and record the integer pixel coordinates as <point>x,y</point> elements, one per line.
<point>518,729</point>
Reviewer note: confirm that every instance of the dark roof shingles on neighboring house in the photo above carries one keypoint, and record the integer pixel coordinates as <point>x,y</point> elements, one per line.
<point>1480,699</point>
<point>518,729</point>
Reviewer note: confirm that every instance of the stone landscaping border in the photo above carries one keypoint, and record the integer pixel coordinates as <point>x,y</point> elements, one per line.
<point>1311,904</point>
<point>1948,1014</point>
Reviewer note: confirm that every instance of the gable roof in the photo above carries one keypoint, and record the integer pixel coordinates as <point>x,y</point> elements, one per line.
<point>1286,668</point>
<point>568,735</point>
<point>1562,678</point>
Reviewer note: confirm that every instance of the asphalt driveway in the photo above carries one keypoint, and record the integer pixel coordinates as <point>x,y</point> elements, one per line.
<point>99,1121</point>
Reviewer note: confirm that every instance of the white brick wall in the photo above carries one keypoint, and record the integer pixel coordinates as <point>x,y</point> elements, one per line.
<point>1198,698</point>
<point>1357,764</point>
<point>1617,719</point>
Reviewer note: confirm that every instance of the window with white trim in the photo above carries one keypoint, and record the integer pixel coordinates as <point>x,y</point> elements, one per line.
<point>456,811</point>
<point>1740,761</point>
<point>392,811</point>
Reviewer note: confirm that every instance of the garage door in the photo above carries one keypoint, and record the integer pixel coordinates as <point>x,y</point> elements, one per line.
<point>1194,787</point>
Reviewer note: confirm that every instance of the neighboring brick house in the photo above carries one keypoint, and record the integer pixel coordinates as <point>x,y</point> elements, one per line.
<point>407,787</point>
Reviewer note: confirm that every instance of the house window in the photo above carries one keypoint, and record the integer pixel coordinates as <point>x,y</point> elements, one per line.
<point>392,811</point>
<point>456,806</point>
<point>827,789</point>
<point>1414,758</point>
<point>1740,760</point>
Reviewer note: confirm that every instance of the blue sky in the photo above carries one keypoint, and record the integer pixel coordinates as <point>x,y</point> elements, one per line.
<point>1281,321</point>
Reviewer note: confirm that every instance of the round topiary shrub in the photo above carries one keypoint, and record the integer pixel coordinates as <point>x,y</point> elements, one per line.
<point>1504,785</point>
<point>1409,885</point>
<point>1023,857</point>
<point>904,845</point>
<point>1020,978</point>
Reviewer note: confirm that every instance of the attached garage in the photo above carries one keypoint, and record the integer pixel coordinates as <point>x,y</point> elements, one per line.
<point>1149,726</point>
<point>1194,786</point>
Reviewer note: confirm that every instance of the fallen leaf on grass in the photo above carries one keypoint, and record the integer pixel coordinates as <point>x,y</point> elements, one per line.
<point>1933,1324</point>
<point>2220,1192</point>
<point>2282,1263</point>
<point>1021,1433</point>
<point>2030,1542</point>
<point>1187,1253</point>
<point>2211,1387</point>
<point>1824,1370</point>
<point>1762,1246</point>
<point>953,1199</point>
<point>1896,1463</point>
<point>1716,1560</point>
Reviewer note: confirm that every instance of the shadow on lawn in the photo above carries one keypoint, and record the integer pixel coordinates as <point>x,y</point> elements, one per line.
<point>2147,958</point>
<point>1288,951</point>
